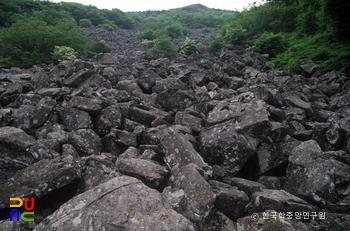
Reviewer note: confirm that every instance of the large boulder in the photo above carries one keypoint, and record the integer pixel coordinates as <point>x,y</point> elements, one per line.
<point>123,203</point>
<point>189,194</point>
<point>221,145</point>
<point>306,164</point>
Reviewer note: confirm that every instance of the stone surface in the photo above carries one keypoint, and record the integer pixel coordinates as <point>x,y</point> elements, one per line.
<point>135,207</point>
<point>189,194</point>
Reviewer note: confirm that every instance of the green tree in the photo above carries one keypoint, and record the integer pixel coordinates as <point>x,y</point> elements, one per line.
<point>85,22</point>
<point>164,46</point>
<point>27,43</point>
<point>61,53</point>
<point>189,46</point>
<point>215,46</point>
<point>270,43</point>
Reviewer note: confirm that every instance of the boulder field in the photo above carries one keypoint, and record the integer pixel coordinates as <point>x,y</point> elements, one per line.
<point>126,141</point>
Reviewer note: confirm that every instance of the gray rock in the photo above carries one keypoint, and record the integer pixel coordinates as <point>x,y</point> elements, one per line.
<point>147,80</point>
<point>109,118</point>
<point>122,202</point>
<point>74,119</point>
<point>150,173</point>
<point>79,78</point>
<point>179,151</point>
<point>270,220</point>
<point>13,151</point>
<point>278,200</point>
<point>217,221</point>
<point>229,200</point>
<point>271,182</point>
<point>40,179</point>
<point>247,186</point>
<point>189,194</point>
<point>96,169</point>
<point>86,142</point>
<point>91,105</point>
<point>273,156</point>
<point>295,101</point>
<point>306,164</point>
<point>221,145</point>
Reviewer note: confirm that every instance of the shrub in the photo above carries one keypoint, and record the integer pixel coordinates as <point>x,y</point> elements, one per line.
<point>61,53</point>
<point>237,35</point>
<point>215,46</point>
<point>85,22</point>
<point>189,46</point>
<point>270,43</point>
<point>163,46</point>
<point>147,43</point>
<point>108,25</point>
<point>148,34</point>
<point>100,47</point>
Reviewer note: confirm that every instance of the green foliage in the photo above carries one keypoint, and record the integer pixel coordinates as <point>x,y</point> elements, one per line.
<point>327,53</point>
<point>175,30</point>
<point>85,22</point>
<point>119,18</point>
<point>194,16</point>
<point>270,43</point>
<point>235,35</point>
<point>100,47</point>
<point>61,53</point>
<point>315,30</point>
<point>27,43</point>
<point>164,47</point>
<point>215,46</point>
<point>108,25</point>
<point>189,46</point>
<point>148,43</point>
<point>148,34</point>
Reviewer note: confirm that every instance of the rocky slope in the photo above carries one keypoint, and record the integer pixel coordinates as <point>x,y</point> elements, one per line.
<point>129,142</point>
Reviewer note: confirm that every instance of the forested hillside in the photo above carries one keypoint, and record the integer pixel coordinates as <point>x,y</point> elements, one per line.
<point>291,32</point>
<point>32,29</point>
<point>294,31</point>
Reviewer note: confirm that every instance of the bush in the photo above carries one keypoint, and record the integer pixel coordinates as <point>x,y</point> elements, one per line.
<point>100,47</point>
<point>270,43</point>
<point>189,46</point>
<point>237,35</point>
<point>215,46</point>
<point>163,46</point>
<point>85,22</point>
<point>175,30</point>
<point>61,53</point>
<point>147,34</point>
<point>148,43</point>
<point>108,25</point>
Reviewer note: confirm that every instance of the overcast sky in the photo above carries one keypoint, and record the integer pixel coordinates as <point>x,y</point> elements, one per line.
<point>142,5</point>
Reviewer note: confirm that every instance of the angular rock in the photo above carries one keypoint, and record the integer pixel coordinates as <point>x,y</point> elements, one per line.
<point>247,186</point>
<point>79,78</point>
<point>150,173</point>
<point>221,145</point>
<point>306,165</point>
<point>13,151</point>
<point>274,156</point>
<point>95,171</point>
<point>109,118</point>
<point>229,200</point>
<point>179,151</point>
<point>189,194</point>
<point>278,200</point>
<point>40,179</point>
<point>135,207</point>
<point>91,105</point>
<point>74,119</point>
<point>86,142</point>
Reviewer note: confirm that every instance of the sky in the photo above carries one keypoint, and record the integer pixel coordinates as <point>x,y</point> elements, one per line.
<point>142,5</point>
